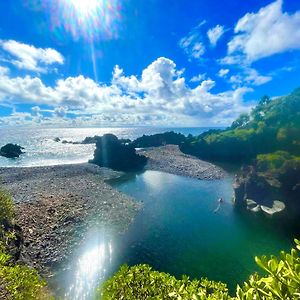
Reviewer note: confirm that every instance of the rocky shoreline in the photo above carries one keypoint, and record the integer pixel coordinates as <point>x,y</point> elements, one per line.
<point>171,160</point>
<point>56,205</point>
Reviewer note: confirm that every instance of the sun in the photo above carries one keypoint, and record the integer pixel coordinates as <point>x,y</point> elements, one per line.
<point>87,7</point>
<point>88,19</point>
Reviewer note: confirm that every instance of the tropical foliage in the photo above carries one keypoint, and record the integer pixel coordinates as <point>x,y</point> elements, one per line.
<point>141,282</point>
<point>7,210</point>
<point>159,139</point>
<point>280,281</point>
<point>17,282</point>
<point>271,126</point>
<point>275,161</point>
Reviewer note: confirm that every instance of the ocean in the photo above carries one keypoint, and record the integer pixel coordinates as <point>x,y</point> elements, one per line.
<point>42,150</point>
<point>177,230</point>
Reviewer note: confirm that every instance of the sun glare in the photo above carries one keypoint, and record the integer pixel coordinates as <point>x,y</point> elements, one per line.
<point>86,7</point>
<point>87,19</point>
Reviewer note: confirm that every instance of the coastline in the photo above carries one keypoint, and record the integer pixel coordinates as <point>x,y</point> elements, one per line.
<point>170,159</point>
<point>57,205</point>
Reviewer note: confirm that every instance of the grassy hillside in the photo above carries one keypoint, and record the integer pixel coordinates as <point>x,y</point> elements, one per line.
<point>271,126</point>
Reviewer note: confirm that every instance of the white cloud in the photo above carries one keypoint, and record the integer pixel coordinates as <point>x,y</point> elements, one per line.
<point>198,78</point>
<point>214,34</point>
<point>249,76</point>
<point>160,96</point>
<point>198,50</point>
<point>30,58</point>
<point>223,72</point>
<point>60,111</point>
<point>267,32</point>
<point>192,44</point>
<point>4,70</point>
<point>255,78</point>
<point>36,110</point>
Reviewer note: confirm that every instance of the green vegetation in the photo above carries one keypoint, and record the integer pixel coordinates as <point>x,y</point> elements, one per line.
<point>7,211</point>
<point>269,138</point>
<point>273,125</point>
<point>159,139</point>
<point>17,282</point>
<point>275,161</point>
<point>283,169</point>
<point>141,282</point>
<point>281,281</point>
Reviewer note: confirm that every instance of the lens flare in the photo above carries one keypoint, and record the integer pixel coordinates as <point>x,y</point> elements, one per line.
<point>86,6</point>
<point>91,269</point>
<point>88,19</point>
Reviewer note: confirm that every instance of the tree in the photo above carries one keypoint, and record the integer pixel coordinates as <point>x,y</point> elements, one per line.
<point>241,121</point>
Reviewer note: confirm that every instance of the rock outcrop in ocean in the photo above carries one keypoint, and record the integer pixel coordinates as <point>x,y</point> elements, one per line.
<point>112,153</point>
<point>11,151</point>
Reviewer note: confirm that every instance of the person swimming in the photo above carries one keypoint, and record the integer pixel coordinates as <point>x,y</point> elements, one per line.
<point>220,201</point>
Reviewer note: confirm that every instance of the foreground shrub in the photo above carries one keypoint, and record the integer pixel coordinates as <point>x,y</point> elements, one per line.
<point>280,282</point>
<point>141,282</point>
<point>7,210</point>
<point>19,282</point>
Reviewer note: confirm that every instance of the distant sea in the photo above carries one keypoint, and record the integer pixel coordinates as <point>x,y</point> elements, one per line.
<point>42,150</point>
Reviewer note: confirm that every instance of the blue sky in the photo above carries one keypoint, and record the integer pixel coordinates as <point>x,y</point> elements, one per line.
<point>155,62</point>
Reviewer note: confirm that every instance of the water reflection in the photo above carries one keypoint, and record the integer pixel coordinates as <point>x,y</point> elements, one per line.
<point>156,182</point>
<point>90,269</point>
<point>177,224</point>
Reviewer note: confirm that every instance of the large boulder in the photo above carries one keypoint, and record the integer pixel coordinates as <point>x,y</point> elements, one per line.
<point>257,192</point>
<point>11,151</point>
<point>251,185</point>
<point>112,153</point>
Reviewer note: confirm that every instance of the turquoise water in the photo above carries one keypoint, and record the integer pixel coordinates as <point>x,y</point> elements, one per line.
<point>178,232</point>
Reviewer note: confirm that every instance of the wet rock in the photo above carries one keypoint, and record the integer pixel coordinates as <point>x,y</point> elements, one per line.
<point>11,151</point>
<point>111,153</point>
<point>256,192</point>
<point>277,207</point>
<point>251,185</point>
<point>256,208</point>
<point>251,204</point>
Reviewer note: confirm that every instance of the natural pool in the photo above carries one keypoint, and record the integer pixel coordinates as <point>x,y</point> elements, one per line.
<point>177,231</point>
